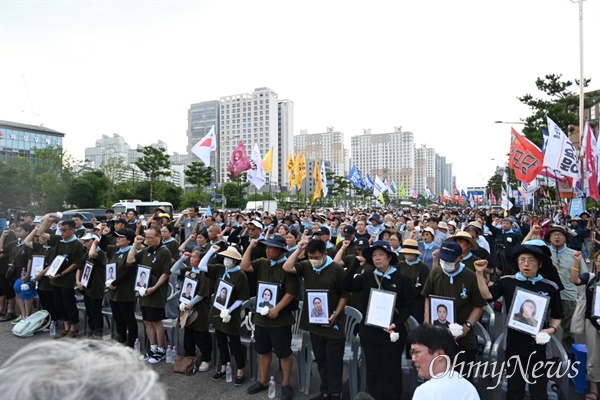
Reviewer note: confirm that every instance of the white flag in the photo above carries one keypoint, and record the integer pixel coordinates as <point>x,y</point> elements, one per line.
<point>204,146</point>
<point>506,203</point>
<point>256,174</point>
<point>324,179</point>
<point>560,153</point>
<point>378,187</point>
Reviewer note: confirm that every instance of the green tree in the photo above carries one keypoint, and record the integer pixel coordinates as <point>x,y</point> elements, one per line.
<point>560,103</point>
<point>16,190</point>
<point>50,176</point>
<point>235,190</point>
<point>166,191</point>
<point>154,164</point>
<point>89,190</point>
<point>199,175</point>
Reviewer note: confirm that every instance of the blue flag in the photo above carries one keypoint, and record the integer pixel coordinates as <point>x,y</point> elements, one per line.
<point>208,212</point>
<point>356,178</point>
<point>545,137</point>
<point>369,183</point>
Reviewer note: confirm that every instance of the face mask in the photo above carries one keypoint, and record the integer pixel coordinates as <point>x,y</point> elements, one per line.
<point>228,262</point>
<point>447,266</point>
<point>316,263</point>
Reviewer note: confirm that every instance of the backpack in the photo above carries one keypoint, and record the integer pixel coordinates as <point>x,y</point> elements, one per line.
<point>34,323</point>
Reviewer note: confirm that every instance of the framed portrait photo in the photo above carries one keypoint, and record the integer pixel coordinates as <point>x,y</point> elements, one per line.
<point>318,307</point>
<point>596,302</point>
<point>142,279</point>
<point>111,271</point>
<point>266,295</point>
<point>37,265</point>
<point>441,311</point>
<point>55,266</point>
<point>86,274</point>
<point>222,295</point>
<point>380,308</point>
<point>528,311</point>
<point>187,290</point>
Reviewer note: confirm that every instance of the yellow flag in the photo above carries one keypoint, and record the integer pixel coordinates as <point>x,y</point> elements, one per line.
<point>303,167</point>
<point>297,173</point>
<point>268,161</point>
<point>318,182</point>
<point>381,199</point>
<point>289,166</point>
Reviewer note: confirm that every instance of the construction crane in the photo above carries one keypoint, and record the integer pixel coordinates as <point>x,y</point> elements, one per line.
<point>33,113</point>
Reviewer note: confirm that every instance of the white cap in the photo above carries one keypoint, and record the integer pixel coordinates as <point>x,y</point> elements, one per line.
<point>90,236</point>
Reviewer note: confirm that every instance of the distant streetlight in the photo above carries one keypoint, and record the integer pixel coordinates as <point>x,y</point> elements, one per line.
<point>502,122</point>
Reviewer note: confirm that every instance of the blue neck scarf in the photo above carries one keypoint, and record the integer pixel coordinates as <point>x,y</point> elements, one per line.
<point>411,263</point>
<point>451,276</point>
<point>519,276</point>
<point>196,271</point>
<point>19,243</point>
<point>168,241</point>
<point>232,270</point>
<point>328,261</point>
<point>385,275</point>
<point>290,249</point>
<point>328,245</point>
<point>123,251</point>
<point>428,246</point>
<point>468,256</point>
<point>281,260</point>
<point>73,238</point>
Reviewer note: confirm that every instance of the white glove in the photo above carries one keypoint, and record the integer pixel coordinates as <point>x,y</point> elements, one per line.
<point>182,306</point>
<point>24,287</point>
<point>142,292</point>
<point>109,282</point>
<point>224,313</point>
<point>394,336</point>
<point>456,330</point>
<point>226,319</point>
<point>542,338</point>
<point>264,310</point>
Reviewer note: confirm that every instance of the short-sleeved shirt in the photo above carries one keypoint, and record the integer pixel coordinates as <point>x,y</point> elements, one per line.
<point>330,279</point>
<point>173,246</point>
<point>418,274</point>
<point>48,253</point>
<point>288,284</point>
<point>95,287</point>
<point>240,291</point>
<point>519,342</point>
<point>124,276</point>
<point>159,261</point>
<point>18,256</point>
<point>465,293</point>
<point>73,249</point>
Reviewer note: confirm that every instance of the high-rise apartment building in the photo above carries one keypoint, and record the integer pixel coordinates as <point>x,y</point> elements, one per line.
<point>108,148</point>
<point>443,175</point>
<point>388,155</point>
<point>328,146</point>
<point>257,117</point>
<point>201,118</point>
<point>425,169</point>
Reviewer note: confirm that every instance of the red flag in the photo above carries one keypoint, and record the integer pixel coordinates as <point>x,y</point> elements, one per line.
<point>590,165</point>
<point>525,158</point>
<point>457,197</point>
<point>238,162</point>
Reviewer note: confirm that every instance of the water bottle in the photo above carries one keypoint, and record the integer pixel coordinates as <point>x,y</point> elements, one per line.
<point>272,388</point>
<point>23,274</point>
<point>52,328</point>
<point>228,377</point>
<point>169,354</point>
<point>136,346</point>
<point>173,354</point>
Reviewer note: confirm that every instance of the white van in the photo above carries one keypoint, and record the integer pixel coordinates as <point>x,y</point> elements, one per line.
<point>142,207</point>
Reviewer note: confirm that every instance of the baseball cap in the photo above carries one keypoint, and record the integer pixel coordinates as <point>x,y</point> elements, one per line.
<point>323,230</point>
<point>450,251</point>
<point>348,230</point>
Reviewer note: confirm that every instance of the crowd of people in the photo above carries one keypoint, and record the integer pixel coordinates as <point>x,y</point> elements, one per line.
<point>438,266</point>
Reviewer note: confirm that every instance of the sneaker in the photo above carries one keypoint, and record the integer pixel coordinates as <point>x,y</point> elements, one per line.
<point>239,380</point>
<point>286,392</point>
<point>157,357</point>
<point>204,366</point>
<point>16,320</point>
<point>257,387</point>
<point>147,356</point>
<point>218,376</point>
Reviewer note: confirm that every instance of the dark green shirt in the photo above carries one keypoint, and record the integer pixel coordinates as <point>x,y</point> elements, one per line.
<point>240,291</point>
<point>124,276</point>
<point>418,274</point>
<point>465,293</point>
<point>288,283</point>
<point>96,283</point>
<point>159,261</point>
<point>330,279</point>
<point>74,252</point>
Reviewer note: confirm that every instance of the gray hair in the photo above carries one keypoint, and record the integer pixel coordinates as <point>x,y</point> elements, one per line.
<point>74,370</point>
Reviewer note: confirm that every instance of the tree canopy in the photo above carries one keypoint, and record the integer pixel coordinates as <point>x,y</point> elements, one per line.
<point>154,164</point>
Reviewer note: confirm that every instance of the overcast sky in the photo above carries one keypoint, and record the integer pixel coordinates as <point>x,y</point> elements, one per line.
<point>445,70</point>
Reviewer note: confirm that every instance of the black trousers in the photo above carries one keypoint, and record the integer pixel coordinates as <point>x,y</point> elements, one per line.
<point>125,322</point>
<point>47,302</point>
<point>235,345</point>
<point>384,368</point>
<point>193,339</point>
<point>7,287</point>
<point>516,382</point>
<point>64,300</point>
<point>329,354</point>
<point>93,309</point>
<point>465,357</point>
